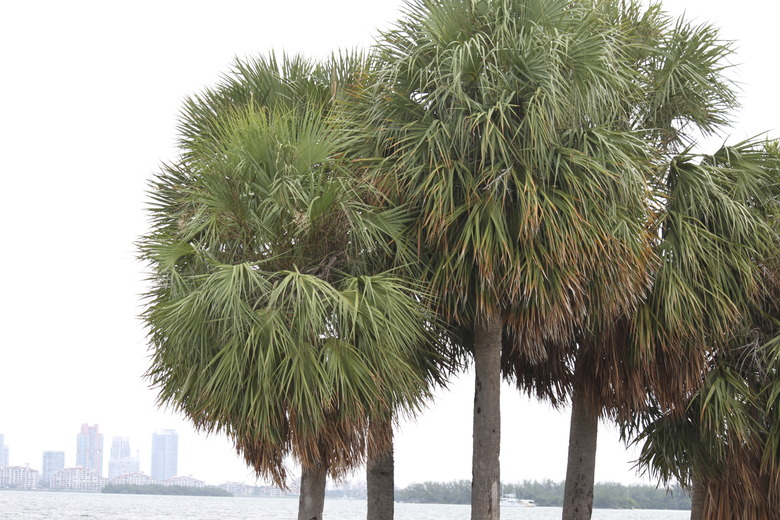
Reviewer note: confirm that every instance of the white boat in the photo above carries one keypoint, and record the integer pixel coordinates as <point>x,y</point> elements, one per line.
<point>511,500</point>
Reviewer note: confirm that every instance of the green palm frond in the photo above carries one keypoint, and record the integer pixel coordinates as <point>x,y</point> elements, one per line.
<point>729,201</point>
<point>495,118</point>
<point>714,233</point>
<point>688,82</point>
<point>284,308</point>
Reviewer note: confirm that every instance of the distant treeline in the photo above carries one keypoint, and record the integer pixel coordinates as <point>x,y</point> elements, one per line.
<point>158,489</point>
<point>606,495</point>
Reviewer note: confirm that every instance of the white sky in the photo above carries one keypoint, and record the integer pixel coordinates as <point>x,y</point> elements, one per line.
<point>89,94</point>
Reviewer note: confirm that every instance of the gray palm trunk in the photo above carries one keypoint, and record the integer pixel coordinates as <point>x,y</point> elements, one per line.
<point>380,474</point>
<point>581,465</point>
<point>487,422</point>
<point>312,498</point>
<point>698,493</point>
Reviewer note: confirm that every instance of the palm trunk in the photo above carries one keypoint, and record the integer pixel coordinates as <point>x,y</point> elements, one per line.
<point>312,499</point>
<point>581,465</point>
<point>698,493</point>
<point>485,468</point>
<point>380,471</point>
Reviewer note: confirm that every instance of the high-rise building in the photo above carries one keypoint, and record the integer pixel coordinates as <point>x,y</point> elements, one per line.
<point>120,448</point>
<point>53,461</point>
<point>121,463</point>
<point>165,454</point>
<point>3,452</point>
<point>89,448</point>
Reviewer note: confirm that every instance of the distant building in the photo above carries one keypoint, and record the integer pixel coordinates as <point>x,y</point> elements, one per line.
<point>135,479</point>
<point>18,477</point>
<point>184,482</point>
<point>3,452</point>
<point>121,462</point>
<point>165,454</point>
<point>272,491</point>
<point>89,448</point>
<point>117,467</point>
<point>77,479</point>
<point>348,485</point>
<point>53,461</point>
<point>238,488</point>
<point>120,448</point>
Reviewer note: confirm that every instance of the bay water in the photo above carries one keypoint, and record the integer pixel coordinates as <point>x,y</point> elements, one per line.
<point>42,505</point>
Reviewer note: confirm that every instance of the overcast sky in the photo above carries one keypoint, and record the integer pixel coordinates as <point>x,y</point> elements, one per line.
<point>89,94</point>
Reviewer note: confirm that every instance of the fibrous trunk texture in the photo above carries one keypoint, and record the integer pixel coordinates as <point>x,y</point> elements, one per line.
<point>312,499</point>
<point>487,422</point>
<point>581,466</point>
<point>380,476</point>
<point>698,494</point>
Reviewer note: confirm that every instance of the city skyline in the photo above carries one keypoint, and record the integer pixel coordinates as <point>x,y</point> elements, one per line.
<point>53,472</point>
<point>88,450</point>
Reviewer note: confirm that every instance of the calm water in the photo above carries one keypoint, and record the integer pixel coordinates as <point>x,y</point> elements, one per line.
<point>21,505</point>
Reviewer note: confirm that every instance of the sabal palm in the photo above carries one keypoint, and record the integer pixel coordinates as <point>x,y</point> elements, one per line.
<point>722,443</point>
<point>679,90</point>
<point>703,290</point>
<point>723,440</point>
<point>273,316</point>
<point>706,286</point>
<point>497,120</point>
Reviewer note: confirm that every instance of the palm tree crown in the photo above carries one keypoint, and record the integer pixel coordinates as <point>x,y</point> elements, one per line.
<point>722,440</point>
<point>498,117</point>
<point>275,312</point>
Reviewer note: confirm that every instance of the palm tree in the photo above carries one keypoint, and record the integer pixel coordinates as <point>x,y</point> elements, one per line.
<point>722,443</point>
<point>711,234</point>
<point>716,228</point>
<point>278,313</point>
<point>606,368</point>
<point>497,119</point>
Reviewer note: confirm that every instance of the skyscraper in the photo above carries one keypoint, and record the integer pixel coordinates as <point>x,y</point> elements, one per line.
<point>89,448</point>
<point>120,448</point>
<point>3,452</point>
<point>165,454</point>
<point>121,463</point>
<point>52,461</point>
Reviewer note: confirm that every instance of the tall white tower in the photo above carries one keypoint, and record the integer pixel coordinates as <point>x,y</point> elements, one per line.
<point>165,454</point>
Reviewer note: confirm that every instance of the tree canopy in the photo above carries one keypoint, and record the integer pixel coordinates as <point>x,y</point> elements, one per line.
<point>280,310</point>
<point>514,178</point>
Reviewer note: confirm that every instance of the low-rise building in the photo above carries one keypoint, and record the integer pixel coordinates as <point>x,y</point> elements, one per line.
<point>135,479</point>
<point>183,482</point>
<point>19,477</point>
<point>77,479</point>
<point>238,488</point>
<point>273,491</point>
